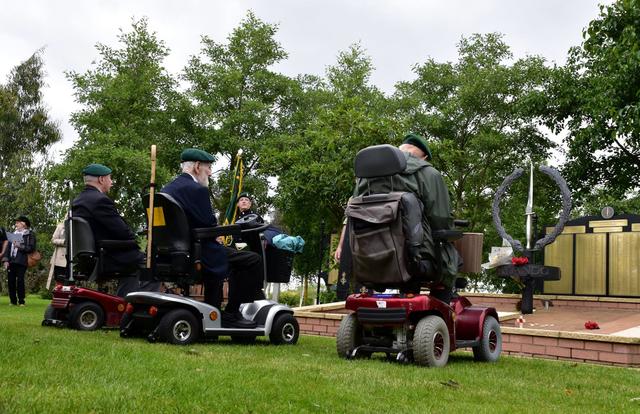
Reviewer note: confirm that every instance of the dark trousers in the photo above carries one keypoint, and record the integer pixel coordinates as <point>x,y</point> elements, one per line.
<point>245,280</point>
<point>60,273</point>
<point>16,283</point>
<point>130,284</point>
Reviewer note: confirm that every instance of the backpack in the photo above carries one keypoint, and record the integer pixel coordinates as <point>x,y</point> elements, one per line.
<point>385,234</point>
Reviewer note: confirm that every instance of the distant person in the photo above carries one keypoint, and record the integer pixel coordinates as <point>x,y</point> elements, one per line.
<point>4,244</point>
<point>190,189</point>
<point>245,211</point>
<point>273,235</point>
<point>58,270</point>
<point>93,205</point>
<point>244,205</point>
<point>15,259</point>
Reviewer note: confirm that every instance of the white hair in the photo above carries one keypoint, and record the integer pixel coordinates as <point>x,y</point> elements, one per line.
<point>88,179</point>
<point>188,166</point>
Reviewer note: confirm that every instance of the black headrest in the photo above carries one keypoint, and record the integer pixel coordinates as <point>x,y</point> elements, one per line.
<point>171,228</point>
<point>379,161</point>
<point>81,237</point>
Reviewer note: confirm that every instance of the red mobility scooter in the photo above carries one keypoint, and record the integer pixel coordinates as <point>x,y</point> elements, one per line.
<point>83,308</point>
<point>409,325</point>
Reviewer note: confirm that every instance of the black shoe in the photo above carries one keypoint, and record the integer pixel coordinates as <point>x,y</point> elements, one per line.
<point>444,295</point>
<point>236,320</point>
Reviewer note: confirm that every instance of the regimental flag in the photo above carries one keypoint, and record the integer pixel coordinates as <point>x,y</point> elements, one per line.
<point>236,189</point>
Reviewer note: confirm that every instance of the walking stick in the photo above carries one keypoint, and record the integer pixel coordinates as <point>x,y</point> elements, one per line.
<point>70,251</point>
<point>152,191</point>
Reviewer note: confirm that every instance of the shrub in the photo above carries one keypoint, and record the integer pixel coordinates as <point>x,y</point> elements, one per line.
<point>328,296</point>
<point>45,294</point>
<point>292,298</point>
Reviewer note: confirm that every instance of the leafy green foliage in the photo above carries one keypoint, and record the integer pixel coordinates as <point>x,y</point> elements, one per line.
<point>238,99</point>
<point>481,115</point>
<point>26,131</point>
<point>596,97</point>
<point>335,117</point>
<point>129,102</point>
<point>603,197</point>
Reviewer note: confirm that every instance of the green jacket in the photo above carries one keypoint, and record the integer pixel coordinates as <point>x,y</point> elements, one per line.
<point>420,178</point>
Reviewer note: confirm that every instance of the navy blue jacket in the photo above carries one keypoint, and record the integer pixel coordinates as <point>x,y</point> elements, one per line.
<point>194,199</point>
<point>105,221</point>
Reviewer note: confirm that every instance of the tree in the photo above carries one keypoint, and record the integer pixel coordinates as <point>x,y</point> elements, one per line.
<point>26,132</point>
<point>334,118</point>
<point>482,117</point>
<point>129,103</point>
<point>239,99</point>
<point>596,97</point>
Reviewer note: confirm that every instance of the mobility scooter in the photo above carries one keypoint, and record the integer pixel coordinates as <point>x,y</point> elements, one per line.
<point>175,257</point>
<point>409,325</point>
<point>80,307</point>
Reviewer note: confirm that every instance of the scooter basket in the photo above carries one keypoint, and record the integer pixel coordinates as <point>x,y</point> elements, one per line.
<point>279,265</point>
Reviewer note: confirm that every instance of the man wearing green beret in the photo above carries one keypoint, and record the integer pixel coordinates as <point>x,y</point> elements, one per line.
<point>106,223</point>
<point>422,179</point>
<point>190,189</point>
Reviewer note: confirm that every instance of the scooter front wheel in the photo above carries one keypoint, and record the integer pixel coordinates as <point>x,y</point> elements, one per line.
<point>285,330</point>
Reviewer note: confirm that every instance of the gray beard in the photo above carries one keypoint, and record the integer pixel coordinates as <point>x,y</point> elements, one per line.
<point>203,181</point>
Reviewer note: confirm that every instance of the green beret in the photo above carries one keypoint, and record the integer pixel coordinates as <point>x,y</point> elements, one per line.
<point>244,194</point>
<point>193,154</point>
<point>418,141</point>
<point>96,170</point>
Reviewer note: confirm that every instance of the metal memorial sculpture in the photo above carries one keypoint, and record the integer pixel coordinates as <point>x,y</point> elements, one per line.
<point>524,269</point>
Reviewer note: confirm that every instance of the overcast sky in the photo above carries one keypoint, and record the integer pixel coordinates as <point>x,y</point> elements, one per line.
<point>396,33</point>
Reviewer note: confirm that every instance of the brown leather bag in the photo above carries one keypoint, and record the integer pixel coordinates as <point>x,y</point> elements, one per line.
<point>382,227</point>
<point>33,258</point>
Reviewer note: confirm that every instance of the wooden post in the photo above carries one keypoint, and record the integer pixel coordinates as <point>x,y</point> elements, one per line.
<point>152,191</point>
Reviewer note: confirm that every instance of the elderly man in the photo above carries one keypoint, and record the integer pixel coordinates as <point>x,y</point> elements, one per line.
<point>422,179</point>
<point>190,189</point>
<point>93,205</point>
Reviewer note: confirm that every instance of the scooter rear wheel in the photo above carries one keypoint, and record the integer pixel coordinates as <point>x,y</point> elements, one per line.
<point>490,346</point>
<point>86,316</point>
<point>179,327</point>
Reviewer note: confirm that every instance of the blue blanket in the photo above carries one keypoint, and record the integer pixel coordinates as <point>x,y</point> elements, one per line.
<point>289,243</point>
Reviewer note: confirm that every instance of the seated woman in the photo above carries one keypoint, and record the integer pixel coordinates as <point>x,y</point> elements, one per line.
<point>244,207</point>
<point>273,234</point>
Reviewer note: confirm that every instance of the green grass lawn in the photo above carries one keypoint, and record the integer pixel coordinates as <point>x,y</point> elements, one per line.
<point>49,370</point>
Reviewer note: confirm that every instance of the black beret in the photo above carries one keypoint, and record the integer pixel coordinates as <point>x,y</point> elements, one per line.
<point>24,219</point>
<point>96,170</point>
<point>244,194</point>
<point>418,141</point>
<point>194,154</point>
